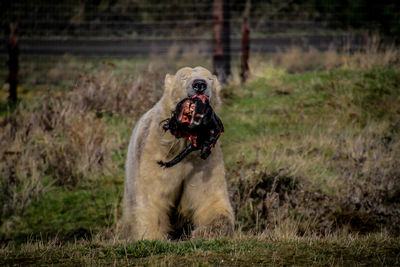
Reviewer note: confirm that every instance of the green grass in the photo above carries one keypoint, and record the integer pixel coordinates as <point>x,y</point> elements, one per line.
<point>298,104</point>
<point>71,214</point>
<point>249,251</point>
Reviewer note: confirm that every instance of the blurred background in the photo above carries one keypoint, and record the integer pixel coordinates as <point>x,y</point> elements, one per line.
<point>50,31</point>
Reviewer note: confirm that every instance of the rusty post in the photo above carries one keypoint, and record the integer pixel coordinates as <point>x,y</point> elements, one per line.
<point>226,38</point>
<point>13,64</point>
<point>244,74</point>
<point>221,39</point>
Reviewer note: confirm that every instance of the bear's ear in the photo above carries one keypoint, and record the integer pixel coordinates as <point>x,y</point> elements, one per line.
<point>168,82</point>
<point>216,89</point>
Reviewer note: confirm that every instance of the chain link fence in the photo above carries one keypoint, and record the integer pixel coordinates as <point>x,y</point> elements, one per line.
<point>50,31</point>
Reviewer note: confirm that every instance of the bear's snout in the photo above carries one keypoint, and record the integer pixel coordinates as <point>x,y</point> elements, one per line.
<point>199,85</point>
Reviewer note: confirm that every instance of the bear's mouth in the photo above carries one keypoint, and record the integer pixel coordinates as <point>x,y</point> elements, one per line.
<point>192,110</point>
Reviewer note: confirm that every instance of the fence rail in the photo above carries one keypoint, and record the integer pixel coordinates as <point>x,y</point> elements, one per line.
<point>166,28</point>
<point>178,47</point>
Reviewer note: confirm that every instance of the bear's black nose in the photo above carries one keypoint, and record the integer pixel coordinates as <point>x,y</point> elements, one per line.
<point>199,85</point>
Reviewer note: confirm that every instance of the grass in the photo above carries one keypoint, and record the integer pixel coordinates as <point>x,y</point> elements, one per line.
<point>244,251</point>
<point>311,148</point>
<point>323,132</point>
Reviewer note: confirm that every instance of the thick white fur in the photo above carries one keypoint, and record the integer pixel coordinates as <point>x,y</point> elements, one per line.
<point>196,186</point>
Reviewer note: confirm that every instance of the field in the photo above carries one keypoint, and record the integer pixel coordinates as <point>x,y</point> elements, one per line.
<point>311,148</point>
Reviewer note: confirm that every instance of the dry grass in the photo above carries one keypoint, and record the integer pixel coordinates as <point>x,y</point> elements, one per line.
<point>295,60</point>
<point>50,145</point>
<point>103,92</point>
<point>319,151</point>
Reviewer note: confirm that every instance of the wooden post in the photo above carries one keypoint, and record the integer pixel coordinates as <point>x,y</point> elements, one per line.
<point>221,40</point>
<point>244,74</point>
<point>13,64</point>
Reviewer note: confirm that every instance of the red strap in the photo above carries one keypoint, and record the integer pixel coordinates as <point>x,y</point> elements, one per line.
<point>202,97</point>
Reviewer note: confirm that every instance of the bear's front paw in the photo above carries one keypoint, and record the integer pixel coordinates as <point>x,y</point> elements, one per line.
<point>220,227</point>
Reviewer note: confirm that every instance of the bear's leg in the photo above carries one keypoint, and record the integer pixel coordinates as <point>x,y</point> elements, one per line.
<point>151,221</point>
<point>219,227</point>
<point>205,198</point>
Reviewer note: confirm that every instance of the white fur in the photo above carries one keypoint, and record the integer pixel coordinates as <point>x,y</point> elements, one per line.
<point>152,191</point>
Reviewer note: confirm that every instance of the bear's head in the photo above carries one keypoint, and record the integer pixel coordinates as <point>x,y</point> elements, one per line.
<point>188,82</point>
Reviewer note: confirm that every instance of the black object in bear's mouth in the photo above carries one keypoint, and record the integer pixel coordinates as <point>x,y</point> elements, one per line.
<point>195,120</point>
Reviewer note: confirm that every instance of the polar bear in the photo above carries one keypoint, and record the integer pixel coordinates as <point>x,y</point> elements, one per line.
<point>159,201</point>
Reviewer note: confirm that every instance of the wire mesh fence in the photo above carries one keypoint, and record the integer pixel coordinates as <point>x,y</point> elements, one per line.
<point>133,18</point>
<point>173,28</point>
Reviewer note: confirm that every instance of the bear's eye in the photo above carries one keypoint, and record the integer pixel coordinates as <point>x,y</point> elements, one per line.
<point>184,78</point>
